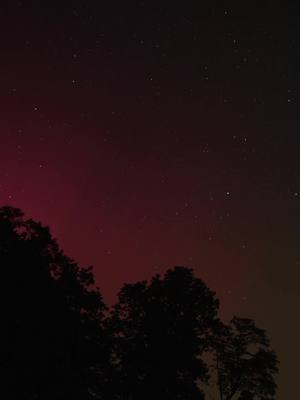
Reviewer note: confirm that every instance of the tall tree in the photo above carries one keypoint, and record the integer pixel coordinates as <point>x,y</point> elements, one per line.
<point>160,332</point>
<point>244,363</point>
<point>52,341</point>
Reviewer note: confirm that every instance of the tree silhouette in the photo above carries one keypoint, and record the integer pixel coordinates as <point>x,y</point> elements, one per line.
<point>52,338</point>
<point>160,333</point>
<point>58,342</point>
<point>244,363</point>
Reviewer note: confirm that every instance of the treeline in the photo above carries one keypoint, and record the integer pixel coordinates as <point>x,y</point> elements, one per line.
<point>162,340</point>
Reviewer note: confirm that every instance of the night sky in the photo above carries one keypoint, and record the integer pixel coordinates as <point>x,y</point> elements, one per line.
<point>148,136</point>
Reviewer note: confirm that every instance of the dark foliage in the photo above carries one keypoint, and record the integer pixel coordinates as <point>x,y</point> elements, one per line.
<point>244,363</point>
<point>51,337</point>
<point>160,333</point>
<point>58,341</point>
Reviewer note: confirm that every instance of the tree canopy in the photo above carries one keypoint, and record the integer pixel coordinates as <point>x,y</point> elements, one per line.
<point>244,363</point>
<point>161,331</point>
<point>51,315</point>
<point>58,339</point>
